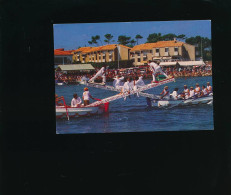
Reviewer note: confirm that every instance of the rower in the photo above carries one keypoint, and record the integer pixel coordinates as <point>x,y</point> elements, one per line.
<point>117,83</point>
<point>209,88</point>
<point>174,94</point>
<point>191,92</point>
<point>86,96</point>
<point>186,92</point>
<point>165,94</point>
<point>76,101</point>
<point>155,68</point>
<point>101,72</point>
<point>128,86</point>
<point>204,91</point>
<point>197,90</point>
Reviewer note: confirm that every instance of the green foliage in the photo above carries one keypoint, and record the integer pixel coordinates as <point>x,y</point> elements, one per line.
<point>154,37</point>
<point>181,37</point>
<point>137,38</point>
<point>201,43</point>
<point>123,40</point>
<point>168,37</point>
<point>108,38</point>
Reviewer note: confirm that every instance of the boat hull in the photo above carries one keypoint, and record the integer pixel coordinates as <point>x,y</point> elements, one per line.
<point>78,112</point>
<point>188,102</point>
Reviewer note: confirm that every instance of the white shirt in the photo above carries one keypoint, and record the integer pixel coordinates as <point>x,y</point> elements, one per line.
<point>154,66</point>
<point>166,96</point>
<point>140,82</point>
<point>191,93</point>
<point>174,95</point>
<point>127,86</point>
<point>117,82</point>
<point>209,88</point>
<point>76,102</point>
<point>186,91</point>
<point>86,95</point>
<point>205,91</point>
<point>104,78</point>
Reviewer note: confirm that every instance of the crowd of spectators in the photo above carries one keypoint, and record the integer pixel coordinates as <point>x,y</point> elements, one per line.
<point>73,77</point>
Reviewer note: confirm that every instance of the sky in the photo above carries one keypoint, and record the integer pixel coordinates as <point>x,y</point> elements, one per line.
<point>75,35</point>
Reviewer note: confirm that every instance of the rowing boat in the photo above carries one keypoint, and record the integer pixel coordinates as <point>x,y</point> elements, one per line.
<point>181,102</point>
<point>73,112</point>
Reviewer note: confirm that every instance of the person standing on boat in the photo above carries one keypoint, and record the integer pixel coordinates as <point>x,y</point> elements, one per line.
<point>76,101</point>
<point>197,90</point>
<point>101,72</point>
<point>209,88</point>
<point>165,94</point>
<point>155,68</point>
<point>117,83</point>
<point>86,96</point>
<point>191,92</point>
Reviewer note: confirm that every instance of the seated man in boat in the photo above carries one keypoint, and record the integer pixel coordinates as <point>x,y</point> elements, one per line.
<point>101,72</point>
<point>209,88</point>
<point>165,93</point>
<point>57,99</point>
<point>127,87</point>
<point>204,91</point>
<point>155,68</point>
<point>197,90</point>
<point>191,92</point>
<point>86,96</point>
<point>76,101</point>
<point>175,95</point>
<point>185,93</point>
<point>117,83</point>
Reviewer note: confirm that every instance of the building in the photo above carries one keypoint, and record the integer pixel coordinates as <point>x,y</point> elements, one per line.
<point>162,50</point>
<point>63,57</point>
<point>105,53</point>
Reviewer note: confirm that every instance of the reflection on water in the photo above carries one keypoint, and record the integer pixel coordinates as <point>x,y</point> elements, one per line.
<point>133,114</point>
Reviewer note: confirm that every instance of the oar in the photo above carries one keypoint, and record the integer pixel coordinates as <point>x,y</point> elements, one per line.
<point>65,107</point>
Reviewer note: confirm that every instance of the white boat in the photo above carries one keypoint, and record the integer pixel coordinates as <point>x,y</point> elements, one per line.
<point>74,112</point>
<point>172,103</point>
<point>60,83</point>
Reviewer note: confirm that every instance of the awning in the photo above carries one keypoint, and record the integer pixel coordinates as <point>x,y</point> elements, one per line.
<point>167,63</point>
<point>191,63</point>
<point>72,67</point>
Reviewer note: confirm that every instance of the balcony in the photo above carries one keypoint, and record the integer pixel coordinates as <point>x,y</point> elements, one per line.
<point>110,60</point>
<point>176,53</point>
<point>103,60</point>
<point>157,54</point>
<point>166,53</point>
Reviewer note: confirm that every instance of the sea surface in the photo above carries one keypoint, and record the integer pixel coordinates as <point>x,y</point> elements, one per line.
<point>133,115</point>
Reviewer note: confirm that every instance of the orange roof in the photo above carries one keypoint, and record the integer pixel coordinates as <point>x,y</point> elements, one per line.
<point>60,52</point>
<point>148,46</point>
<point>100,48</point>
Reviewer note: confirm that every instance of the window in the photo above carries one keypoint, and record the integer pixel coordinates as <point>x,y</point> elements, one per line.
<point>157,50</point>
<point>166,49</point>
<point>176,49</point>
<point>138,59</point>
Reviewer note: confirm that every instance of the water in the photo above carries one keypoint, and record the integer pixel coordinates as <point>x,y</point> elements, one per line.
<point>133,115</point>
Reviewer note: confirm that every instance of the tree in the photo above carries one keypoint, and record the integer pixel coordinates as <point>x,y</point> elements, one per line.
<point>154,37</point>
<point>123,40</point>
<point>181,37</point>
<point>108,38</point>
<point>94,40</point>
<point>203,46</point>
<point>168,37</point>
<point>137,38</point>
